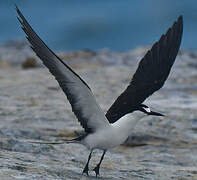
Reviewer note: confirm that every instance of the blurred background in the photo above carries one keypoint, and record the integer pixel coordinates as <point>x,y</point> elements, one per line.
<point>96,24</point>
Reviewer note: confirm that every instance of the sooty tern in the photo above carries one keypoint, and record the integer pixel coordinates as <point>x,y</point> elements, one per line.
<point>107,131</point>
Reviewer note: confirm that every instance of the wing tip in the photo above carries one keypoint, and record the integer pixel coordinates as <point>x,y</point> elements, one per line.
<point>179,23</point>
<point>180,18</point>
<point>177,26</point>
<point>20,16</point>
<point>17,9</point>
<point>15,5</point>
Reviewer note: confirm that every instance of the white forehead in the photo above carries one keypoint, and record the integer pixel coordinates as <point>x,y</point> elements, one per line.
<point>147,109</point>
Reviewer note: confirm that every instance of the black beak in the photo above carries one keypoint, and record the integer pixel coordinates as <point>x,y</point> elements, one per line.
<point>155,113</point>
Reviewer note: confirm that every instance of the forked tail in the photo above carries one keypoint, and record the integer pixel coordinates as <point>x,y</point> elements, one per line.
<point>78,139</point>
<point>63,141</point>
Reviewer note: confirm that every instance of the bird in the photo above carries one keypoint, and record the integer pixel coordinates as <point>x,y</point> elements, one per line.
<point>105,131</point>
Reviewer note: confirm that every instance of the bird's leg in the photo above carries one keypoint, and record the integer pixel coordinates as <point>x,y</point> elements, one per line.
<point>86,168</point>
<point>96,169</point>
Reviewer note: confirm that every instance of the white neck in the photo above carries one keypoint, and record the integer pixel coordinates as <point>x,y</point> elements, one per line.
<point>129,121</point>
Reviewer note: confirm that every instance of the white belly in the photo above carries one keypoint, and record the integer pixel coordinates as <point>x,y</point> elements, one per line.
<point>105,139</point>
<point>115,134</point>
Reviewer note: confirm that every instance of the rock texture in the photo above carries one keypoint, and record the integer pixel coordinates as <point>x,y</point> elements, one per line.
<point>33,108</point>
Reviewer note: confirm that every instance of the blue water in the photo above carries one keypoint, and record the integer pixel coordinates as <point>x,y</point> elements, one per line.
<point>119,25</point>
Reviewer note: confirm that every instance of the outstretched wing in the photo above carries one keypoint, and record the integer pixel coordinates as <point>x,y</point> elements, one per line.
<point>151,73</point>
<point>77,91</point>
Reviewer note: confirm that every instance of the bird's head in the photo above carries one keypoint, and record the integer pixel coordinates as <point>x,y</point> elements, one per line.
<point>145,109</point>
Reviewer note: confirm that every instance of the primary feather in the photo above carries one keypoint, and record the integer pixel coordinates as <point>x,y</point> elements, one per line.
<point>151,73</point>
<point>77,91</point>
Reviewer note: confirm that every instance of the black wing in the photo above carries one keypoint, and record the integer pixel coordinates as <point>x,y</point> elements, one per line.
<point>77,91</point>
<point>151,73</point>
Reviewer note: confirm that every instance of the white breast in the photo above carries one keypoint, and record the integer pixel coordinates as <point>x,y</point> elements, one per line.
<point>115,134</point>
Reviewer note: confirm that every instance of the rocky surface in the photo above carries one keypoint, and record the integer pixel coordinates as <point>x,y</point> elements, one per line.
<point>33,108</point>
